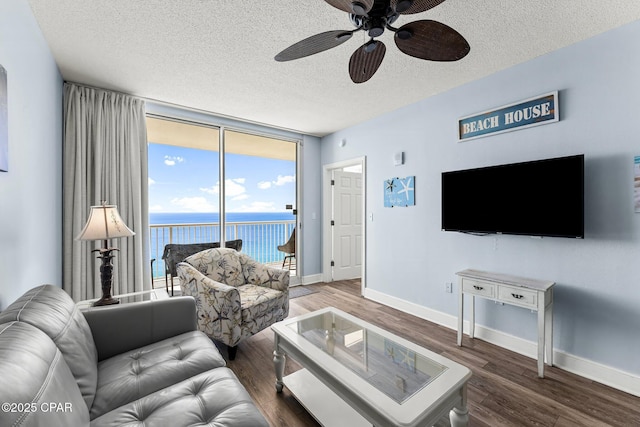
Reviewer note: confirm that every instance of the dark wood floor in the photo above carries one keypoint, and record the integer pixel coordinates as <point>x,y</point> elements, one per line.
<point>503,391</point>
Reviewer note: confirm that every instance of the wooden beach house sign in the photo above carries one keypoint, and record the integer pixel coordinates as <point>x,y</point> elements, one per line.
<point>536,111</point>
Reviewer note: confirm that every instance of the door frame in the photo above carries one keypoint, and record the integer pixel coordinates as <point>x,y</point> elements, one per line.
<point>327,203</point>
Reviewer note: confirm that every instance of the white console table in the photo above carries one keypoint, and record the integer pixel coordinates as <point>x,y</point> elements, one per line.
<point>536,295</point>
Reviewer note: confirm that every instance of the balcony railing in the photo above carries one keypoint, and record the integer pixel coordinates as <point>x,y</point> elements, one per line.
<point>260,240</point>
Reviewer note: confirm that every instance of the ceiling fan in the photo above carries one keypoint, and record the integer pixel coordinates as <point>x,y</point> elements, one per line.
<point>424,39</point>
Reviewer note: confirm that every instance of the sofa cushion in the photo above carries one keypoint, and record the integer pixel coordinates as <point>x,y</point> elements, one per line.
<point>134,374</point>
<point>36,382</point>
<point>213,398</point>
<point>52,310</point>
<point>221,265</point>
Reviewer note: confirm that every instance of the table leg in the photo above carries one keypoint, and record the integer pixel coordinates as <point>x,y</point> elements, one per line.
<point>549,333</point>
<point>460,314</point>
<point>459,415</point>
<point>541,340</point>
<point>472,317</point>
<point>278,364</point>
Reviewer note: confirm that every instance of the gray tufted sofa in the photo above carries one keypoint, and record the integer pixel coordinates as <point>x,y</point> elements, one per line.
<point>134,364</point>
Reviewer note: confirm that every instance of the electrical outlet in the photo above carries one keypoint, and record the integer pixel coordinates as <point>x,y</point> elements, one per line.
<point>448,287</point>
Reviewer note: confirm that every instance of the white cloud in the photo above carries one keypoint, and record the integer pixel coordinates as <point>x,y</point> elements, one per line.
<point>194,204</point>
<point>280,181</point>
<point>151,182</point>
<point>233,188</point>
<point>241,197</point>
<point>213,190</point>
<point>156,208</point>
<point>171,161</point>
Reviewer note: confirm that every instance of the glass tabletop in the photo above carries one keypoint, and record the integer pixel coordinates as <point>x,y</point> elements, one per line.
<point>392,368</point>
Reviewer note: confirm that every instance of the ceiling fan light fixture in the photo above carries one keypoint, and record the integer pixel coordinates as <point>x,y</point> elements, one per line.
<point>375,26</point>
<point>375,31</point>
<point>358,8</point>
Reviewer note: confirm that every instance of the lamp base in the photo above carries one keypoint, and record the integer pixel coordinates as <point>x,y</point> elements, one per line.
<point>106,270</point>
<point>106,301</point>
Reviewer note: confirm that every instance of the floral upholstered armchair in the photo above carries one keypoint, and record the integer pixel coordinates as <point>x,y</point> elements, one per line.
<point>236,296</point>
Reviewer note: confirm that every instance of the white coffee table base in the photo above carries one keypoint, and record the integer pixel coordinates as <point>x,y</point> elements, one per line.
<point>318,399</point>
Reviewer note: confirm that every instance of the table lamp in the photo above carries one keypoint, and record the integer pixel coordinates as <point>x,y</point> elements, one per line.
<point>104,223</point>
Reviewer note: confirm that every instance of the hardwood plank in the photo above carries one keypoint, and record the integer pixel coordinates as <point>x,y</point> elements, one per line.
<point>503,391</point>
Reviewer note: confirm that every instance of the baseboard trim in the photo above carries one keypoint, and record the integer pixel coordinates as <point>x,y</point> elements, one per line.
<point>311,279</point>
<point>607,375</point>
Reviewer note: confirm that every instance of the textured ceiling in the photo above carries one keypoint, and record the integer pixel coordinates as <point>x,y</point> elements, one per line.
<point>217,55</point>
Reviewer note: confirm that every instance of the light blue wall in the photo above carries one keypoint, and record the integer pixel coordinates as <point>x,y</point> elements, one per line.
<point>311,206</point>
<point>598,286</point>
<point>31,192</point>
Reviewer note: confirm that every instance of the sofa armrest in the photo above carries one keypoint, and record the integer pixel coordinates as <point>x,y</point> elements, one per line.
<point>120,328</point>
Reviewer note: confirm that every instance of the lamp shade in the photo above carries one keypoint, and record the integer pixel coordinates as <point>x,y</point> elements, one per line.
<point>104,223</point>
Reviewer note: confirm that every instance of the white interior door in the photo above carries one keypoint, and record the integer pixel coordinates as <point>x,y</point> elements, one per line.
<point>347,225</point>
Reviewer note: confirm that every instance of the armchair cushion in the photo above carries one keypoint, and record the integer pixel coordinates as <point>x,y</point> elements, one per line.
<point>257,300</point>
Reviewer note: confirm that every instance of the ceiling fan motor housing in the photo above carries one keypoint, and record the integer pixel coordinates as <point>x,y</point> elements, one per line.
<point>375,25</point>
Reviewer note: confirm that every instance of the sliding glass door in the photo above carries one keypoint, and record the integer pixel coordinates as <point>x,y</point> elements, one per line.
<point>260,195</point>
<point>197,195</point>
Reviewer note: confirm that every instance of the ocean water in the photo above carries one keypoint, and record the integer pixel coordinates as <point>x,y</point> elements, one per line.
<point>199,218</point>
<point>261,232</point>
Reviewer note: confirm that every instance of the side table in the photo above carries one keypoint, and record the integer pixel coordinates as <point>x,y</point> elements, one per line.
<point>536,295</point>
<point>127,298</point>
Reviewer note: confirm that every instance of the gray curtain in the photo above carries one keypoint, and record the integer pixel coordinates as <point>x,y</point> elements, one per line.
<point>105,158</point>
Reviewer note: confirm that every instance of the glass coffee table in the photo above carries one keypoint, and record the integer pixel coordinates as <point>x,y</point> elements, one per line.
<point>357,374</point>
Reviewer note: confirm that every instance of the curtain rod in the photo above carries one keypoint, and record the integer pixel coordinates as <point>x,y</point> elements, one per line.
<point>195,110</point>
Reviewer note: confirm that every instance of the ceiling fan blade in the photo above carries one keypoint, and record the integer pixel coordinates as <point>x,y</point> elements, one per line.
<point>359,7</point>
<point>431,40</point>
<point>314,44</point>
<point>406,7</point>
<point>366,60</point>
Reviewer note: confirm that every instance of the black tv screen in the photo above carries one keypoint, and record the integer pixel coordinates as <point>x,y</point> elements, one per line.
<point>537,198</point>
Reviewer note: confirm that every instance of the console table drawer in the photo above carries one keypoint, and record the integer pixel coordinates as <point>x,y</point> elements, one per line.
<point>484,289</point>
<point>518,296</point>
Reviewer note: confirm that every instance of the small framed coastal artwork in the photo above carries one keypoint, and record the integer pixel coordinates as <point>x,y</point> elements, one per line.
<point>4,122</point>
<point>399,192</point>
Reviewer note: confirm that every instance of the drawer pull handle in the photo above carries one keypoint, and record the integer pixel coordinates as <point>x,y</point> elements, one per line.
<point>477,288</point>
<point>516,296</point>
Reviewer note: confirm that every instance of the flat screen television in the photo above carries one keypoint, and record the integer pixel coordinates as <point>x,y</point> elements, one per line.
<point>536,198</point>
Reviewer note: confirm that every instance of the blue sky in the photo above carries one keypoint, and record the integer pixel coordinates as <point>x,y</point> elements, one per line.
<point>186,180</point>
